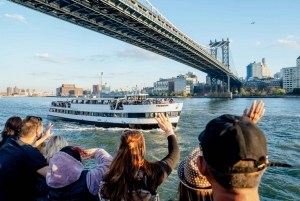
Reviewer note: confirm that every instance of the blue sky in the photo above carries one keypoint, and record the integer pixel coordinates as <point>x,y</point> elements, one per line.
<point>41,52</point>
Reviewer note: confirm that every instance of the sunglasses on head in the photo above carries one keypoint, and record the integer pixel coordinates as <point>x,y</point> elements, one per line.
<point>38,118</point>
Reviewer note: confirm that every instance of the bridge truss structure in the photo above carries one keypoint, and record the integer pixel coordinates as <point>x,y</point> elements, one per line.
<point>132,22</point>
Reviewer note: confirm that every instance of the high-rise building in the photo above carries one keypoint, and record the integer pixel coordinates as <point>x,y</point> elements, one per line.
<point>265,72</point>
<point>9,91</point>
<point>258,70</point>
<point>96,89</point>
<point>105,88</point>
<point>69,89</point>
<point>291,77</point>
<point>16,90</point>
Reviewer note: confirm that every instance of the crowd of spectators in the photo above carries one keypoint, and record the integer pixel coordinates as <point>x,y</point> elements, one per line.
<point>114,103</point>
<point>228,165</point>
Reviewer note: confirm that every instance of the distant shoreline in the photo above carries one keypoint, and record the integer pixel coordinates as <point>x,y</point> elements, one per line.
<point>67,97</point>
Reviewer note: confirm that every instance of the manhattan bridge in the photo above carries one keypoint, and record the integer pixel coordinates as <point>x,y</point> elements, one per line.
<point>144,26</point>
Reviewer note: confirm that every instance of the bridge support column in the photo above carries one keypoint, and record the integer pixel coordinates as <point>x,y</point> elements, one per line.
<point>228,83</point>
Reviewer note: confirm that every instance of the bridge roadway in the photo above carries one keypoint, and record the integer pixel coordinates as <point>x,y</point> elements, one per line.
<point>132,22</point>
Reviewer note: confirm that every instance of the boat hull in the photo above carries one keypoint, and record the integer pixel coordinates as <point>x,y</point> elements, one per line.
<point>110,124</point>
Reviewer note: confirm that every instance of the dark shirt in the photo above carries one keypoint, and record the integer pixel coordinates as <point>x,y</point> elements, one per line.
<point>19,163</point>
<point>169,162</point>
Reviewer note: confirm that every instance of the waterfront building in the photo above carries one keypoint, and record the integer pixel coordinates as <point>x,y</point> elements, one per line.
<point>96,89</point>
<point>278,75</point>
<point>16,90</point>
<point>105,88</point>
<point>258,69</point>
<point>201,89</point>
<point>291,78</point>
<point>185,83</point>
<point>164,86</point>
<point>87,92</point>
<point>67,90</point>
<point>148,90</point>
<point>9,91</point>
<point>208,81</point>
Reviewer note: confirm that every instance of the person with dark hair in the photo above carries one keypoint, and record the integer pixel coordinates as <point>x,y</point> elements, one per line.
<point>131,177</point>
<point>67,179</point>
<point>234,156</point>
<point>20,161</point>
<point>11,129</point>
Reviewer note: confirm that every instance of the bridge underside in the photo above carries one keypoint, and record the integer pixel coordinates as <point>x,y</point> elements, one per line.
<point>134,24</point>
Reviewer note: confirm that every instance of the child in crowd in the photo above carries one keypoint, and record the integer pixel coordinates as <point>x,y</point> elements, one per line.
<point>67,179</point>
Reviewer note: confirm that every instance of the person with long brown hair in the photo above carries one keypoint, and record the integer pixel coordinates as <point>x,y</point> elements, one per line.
<point>131,177</point>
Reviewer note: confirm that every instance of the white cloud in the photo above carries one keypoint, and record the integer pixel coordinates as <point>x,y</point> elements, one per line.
<point>290,44</point>
<point>136,52</point>
<point>290,36</point>
<point>257,43</point>
<point>47,57</point>
<point>16,16</point>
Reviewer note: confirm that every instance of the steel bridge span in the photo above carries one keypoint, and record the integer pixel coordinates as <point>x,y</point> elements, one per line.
<point>132,22</point>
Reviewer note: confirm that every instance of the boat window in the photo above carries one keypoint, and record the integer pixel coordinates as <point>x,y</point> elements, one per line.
<point>125,115</point>
<point>174,114</point>
<point>169,114</point>
<point>94,102</point>
<point>88,102</point>
<point>81,102</point>
<point>117,115</point>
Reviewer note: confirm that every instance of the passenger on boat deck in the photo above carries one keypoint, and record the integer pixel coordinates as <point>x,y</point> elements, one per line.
<point>11,129</point>
<point>234,156</point>
<point>20,161</point>
<point>131,177</point>
<point>67,179</point>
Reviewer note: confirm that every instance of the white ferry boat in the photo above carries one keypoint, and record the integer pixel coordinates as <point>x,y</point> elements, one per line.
<point>134,111</point>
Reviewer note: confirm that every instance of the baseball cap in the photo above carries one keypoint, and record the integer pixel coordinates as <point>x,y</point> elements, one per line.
<point>229,139</point>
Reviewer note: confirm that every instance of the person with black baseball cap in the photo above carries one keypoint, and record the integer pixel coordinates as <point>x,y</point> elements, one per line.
<point>234,157</point>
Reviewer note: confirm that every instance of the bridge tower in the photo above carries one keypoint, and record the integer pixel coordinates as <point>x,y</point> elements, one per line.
<point>224,47</point>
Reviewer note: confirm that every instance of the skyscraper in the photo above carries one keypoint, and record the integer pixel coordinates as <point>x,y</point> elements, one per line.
<point>258,69</point>
<point>298,61</point>
<point>9,91</point>
<point>16,90</point>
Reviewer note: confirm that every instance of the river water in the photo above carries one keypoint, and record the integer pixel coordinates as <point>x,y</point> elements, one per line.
<point>281,125</point>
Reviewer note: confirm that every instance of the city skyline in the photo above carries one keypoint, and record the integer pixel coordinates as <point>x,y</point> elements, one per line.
<point>41,52</point>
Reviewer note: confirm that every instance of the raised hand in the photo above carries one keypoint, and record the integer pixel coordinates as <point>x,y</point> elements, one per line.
<point>44,137</point>
<point>91,152</point>
<point>256,112</point>
<point>48,134</point>
<point>165,124</point>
